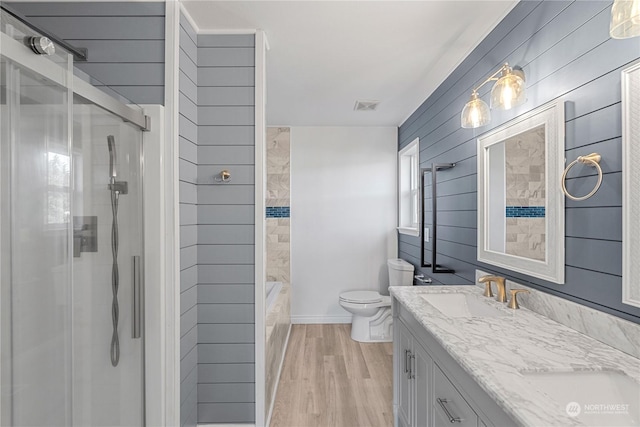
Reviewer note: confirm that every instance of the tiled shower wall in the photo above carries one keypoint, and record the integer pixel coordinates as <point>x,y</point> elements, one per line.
<point>525,198</point>
<point>278,316</point>
<point>278,202</point>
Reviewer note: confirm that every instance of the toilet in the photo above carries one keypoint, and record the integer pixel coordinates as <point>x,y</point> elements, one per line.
<point>372,321</point>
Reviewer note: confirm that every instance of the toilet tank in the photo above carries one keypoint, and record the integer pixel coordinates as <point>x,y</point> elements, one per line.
<point>400,272</point>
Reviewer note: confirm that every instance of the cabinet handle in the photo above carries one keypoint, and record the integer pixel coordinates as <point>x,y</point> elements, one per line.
<point>406,364</point>
<point>412,359</point>
<point>452,419</point>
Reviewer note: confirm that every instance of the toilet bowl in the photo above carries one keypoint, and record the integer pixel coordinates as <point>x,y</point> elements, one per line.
<point>371,312</point>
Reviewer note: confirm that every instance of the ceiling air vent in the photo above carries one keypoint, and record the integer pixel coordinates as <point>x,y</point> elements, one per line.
<point>366,105</point>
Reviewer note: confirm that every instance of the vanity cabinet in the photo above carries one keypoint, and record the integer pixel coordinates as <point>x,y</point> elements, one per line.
<point>430,388</point>
<point>412,372</point>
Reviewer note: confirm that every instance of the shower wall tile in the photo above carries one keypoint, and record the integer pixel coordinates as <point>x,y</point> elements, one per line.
<point>278,225</point>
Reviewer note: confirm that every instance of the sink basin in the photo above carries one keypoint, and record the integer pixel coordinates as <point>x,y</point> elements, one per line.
<point>461,305</point>
<point>596,398</point>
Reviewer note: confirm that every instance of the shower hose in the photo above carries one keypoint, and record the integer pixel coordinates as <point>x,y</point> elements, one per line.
<point>115,278</point>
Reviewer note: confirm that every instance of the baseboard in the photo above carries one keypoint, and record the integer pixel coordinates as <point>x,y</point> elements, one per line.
<point>275,390</point>
<point>226,425</point>
<point>306,320</point>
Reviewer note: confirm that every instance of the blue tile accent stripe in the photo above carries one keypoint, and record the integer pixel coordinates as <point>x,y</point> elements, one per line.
<point>278,211</point>
<point>525,212</point>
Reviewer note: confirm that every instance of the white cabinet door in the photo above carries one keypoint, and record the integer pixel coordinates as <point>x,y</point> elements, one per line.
<point>405,384</point>
<point>421,368</point>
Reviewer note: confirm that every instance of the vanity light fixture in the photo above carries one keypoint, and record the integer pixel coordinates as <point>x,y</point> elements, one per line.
<point>625,19</point>
<point>508,92</point>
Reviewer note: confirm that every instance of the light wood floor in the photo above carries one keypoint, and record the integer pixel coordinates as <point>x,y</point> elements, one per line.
<point>329,380</point>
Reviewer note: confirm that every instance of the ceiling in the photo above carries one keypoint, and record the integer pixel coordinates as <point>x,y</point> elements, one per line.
<point>325,55</point>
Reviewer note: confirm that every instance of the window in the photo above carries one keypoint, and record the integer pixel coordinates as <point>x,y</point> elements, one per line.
<point>409,189</point>
<point>58,194</point>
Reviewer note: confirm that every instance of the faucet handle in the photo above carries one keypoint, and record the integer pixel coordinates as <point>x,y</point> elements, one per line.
<point>514,297</point>
<point>487,289</point>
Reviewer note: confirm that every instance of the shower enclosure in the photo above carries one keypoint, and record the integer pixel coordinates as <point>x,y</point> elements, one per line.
<point>71,333</point>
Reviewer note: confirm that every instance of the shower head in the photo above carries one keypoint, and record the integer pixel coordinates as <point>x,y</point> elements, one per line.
<point>112,156</point>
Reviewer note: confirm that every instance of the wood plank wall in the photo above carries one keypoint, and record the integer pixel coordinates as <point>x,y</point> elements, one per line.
<point>125,42</point>
<point>565,50</point>
<point>225,235</point>
<point>188,131</point>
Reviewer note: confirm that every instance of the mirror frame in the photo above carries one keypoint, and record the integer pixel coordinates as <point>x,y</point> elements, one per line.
<point>552,269</point>
<point>630,82</point>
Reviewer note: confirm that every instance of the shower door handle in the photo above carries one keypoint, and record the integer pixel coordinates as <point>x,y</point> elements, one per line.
<point>136,299</point>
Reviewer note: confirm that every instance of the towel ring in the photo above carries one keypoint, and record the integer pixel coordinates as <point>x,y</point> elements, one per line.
<point>592,159</point>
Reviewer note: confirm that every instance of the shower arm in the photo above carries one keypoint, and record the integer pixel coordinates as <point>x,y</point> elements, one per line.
<point>120,187</point>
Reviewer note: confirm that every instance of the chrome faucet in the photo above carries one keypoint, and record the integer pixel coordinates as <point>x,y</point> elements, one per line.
<point>500,283</point>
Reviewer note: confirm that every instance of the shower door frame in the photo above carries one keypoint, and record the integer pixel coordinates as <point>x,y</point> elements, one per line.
<point>155,176</point>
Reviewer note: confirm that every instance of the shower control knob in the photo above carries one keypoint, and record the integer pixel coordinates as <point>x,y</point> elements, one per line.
<point>42,45</point>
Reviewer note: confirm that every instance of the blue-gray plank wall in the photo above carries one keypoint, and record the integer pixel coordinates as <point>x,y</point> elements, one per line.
<point>566,53</point>
<point>125,42</point>
<point>225,235</point>
<point>188,130</point>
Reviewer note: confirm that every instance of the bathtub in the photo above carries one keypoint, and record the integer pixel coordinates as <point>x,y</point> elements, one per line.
<point>271,294</point>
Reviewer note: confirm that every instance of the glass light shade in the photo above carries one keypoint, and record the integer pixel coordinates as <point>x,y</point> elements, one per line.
<point>625,19</point>
<point>508,92</point>
<point>475,113</point>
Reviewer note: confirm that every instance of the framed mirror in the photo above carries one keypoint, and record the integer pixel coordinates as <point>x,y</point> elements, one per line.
<point>520,201</point>
<point>630,184</point>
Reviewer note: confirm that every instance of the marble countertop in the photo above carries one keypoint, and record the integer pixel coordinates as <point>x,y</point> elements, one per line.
<point>495,351</point>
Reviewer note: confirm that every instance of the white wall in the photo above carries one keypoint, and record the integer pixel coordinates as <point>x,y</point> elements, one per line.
<point>343,216</point>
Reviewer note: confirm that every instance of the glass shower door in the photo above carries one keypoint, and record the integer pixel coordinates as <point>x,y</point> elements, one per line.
<point>35,268</point>
<point>71,333</point>
<point>108,368</point>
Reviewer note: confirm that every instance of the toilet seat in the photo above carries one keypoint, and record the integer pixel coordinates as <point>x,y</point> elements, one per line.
<point>385,301</point>
<point>361,297</point>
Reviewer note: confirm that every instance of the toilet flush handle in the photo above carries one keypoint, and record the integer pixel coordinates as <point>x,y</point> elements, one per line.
<point>421,279</point>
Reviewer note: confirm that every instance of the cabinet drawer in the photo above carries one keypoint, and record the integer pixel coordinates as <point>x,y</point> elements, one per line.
<point>449,407</point>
